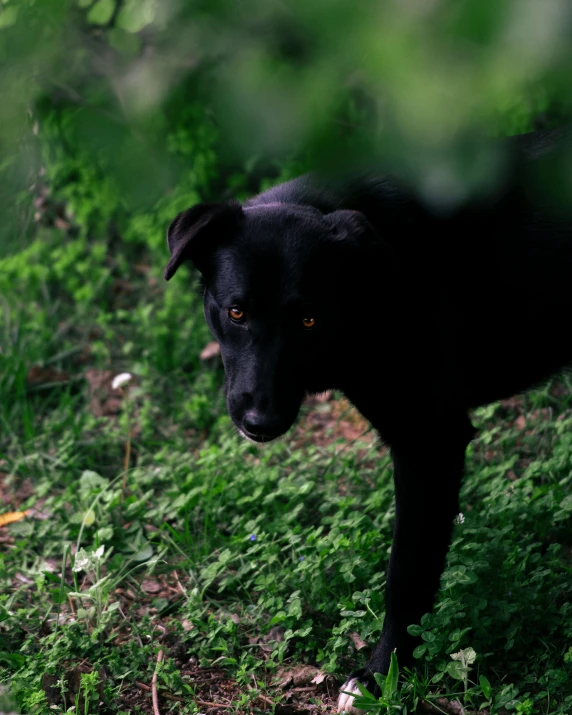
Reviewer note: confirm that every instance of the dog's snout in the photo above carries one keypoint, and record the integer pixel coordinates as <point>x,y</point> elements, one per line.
<point>261,426</point>
<point>253,421</point>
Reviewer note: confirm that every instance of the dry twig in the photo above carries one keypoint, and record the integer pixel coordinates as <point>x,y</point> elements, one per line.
<point>154,685</point>
<point>167,696</point>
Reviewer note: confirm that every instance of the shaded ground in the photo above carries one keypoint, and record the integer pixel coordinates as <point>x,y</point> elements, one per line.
<point>296,690</point>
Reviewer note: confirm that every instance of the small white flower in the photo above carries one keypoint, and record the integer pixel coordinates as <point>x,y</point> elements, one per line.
<point>122,379</point>
<point>82,561</point>
<point>459,519</point>
<point>87,561</point>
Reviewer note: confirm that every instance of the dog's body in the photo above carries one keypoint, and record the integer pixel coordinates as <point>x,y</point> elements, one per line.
<point>299,275</point>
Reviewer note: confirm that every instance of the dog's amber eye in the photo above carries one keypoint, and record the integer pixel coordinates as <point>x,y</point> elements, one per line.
<point>309,322</point>
<point>236,314</point>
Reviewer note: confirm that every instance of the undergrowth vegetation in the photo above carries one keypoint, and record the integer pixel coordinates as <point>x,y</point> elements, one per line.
<point>225,555</point>
<point>144,539</point>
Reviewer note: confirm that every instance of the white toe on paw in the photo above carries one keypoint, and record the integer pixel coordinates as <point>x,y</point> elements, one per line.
<point>345,701</point>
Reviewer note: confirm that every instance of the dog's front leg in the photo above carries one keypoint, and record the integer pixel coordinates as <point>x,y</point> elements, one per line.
<point>427,476</point>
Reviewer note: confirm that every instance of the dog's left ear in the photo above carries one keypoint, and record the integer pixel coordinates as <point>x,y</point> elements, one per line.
<point>351,228</point>
<point>194,233</point>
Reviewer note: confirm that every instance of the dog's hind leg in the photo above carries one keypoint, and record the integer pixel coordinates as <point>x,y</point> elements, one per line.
<point>428,473</point>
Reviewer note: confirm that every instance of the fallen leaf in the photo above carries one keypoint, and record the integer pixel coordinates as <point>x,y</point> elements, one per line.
<point>210,350</point>
<point>357,641</point>
<point>23,579</point>
<point>300,675</point>
<point>11,516</point>
<point>276,633</point>
<point>149,585</point>
<point>267,641</point>
<point>38,513</point>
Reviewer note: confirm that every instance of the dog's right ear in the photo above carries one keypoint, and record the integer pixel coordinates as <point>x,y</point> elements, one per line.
<point>194,233</point>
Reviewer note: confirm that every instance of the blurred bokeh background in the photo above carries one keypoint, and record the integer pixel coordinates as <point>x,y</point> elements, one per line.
<point>129,110</point>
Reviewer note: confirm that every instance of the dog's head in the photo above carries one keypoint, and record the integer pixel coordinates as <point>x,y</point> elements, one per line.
<point>278,292</point>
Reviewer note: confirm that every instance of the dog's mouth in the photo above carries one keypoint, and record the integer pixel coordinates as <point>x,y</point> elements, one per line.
<point>258,438</point>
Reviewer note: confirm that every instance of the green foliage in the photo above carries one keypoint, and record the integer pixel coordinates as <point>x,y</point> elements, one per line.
<point>389,701</point>
<point>265,539</point>
<point>146,106</point>
<point>117,117</point>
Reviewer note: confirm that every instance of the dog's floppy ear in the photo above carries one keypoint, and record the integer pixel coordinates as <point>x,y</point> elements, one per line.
<point>194,233</point>
<point>351,228</point>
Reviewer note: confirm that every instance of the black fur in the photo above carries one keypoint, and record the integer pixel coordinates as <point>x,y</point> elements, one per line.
<point>450,310</point>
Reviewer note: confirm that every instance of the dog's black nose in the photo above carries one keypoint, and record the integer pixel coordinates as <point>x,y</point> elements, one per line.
<point>259,426</point>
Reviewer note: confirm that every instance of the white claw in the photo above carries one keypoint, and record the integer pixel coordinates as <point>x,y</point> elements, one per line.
<point>345,701</point>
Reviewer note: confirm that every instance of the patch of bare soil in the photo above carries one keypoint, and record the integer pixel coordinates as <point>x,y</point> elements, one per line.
<point>326,420</point>
<point>104,400</point>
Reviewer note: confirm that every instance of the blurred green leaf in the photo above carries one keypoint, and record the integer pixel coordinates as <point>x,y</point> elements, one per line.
<point>101,12</point>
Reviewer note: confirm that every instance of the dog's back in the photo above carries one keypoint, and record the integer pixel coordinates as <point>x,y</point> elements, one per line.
<point>502,259</point>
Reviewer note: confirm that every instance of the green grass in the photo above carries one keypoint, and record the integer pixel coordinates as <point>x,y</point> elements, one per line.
<point>216,544</point>
<point>238,564</point>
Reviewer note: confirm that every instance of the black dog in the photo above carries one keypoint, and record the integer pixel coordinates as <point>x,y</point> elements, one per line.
<point>298,275</point>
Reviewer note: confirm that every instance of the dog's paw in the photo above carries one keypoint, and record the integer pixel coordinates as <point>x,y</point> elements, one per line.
<point>346,697</point>
<point>349,689</point>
